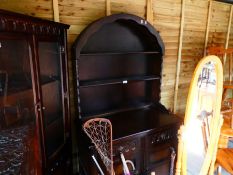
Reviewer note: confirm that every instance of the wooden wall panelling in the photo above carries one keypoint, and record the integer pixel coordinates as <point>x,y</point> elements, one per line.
<point>195,31</point>
<point>108,7</point>
<point>149,11</point>
<point>129,6</point>
<point>225,60</point>
<point>218,24</point>
<point>42,9</point>
<point>207,26</point>
<point>179,54</point>
<point>196,13</point>
<point>166,17</point>
<point>79,14</point>
<point>230,43</point>
<point>228,32</point>
<point>56,16</point>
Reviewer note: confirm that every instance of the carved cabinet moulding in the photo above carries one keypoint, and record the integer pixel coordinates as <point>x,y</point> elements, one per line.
<point>27,25</point>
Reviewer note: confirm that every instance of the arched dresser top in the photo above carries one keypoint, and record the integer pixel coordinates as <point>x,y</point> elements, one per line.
<point>132,22</point>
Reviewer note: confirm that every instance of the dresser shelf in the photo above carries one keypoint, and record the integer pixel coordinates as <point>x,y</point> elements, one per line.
<point>124,80</point>
<point>22,83</point>
<point>119,53</point>
<point>119,109</point>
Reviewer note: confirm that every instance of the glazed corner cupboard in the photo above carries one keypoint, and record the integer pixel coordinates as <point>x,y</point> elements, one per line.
<point>118,67</point>
<point>34,99</point>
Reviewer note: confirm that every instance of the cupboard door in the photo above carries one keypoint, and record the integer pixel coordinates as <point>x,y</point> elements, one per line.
<point>158,154</point>
<point>18,141</point>
<point>52,96</point>
<point>131,149</point>
<point>161,168</point>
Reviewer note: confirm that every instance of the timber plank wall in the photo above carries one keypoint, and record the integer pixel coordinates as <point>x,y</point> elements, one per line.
<point>166,19</point>
<point>166,16</point>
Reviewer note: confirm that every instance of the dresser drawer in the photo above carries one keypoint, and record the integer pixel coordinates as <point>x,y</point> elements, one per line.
<point>162,168</point>
<point>158,154</point>
<point>158,147</point>
<point>126,146</point>
<point>162,137</point>
<point>131,150</point>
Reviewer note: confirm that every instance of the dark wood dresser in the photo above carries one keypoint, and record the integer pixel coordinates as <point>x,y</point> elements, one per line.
<point>34,96</point>
<point>118,68</point>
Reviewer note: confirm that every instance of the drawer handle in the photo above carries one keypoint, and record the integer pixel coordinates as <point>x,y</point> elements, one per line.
<point>156,140</point>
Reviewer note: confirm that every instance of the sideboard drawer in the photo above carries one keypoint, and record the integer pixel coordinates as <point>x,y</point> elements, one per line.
<point>162,168</point>
<point>162,136</point>
<point>158,149</point>
<point>159,154</point>
<point>127,147</point>
<point>131,148</point>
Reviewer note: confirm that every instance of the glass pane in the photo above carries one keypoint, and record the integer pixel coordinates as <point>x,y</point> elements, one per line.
<point>17,117</point>
<point>50,77</point>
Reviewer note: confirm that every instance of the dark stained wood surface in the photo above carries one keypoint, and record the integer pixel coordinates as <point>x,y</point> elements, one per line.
<point>140,122</point>
<point>20,57</point>
<point>145,134</point>
<point>118,64</point>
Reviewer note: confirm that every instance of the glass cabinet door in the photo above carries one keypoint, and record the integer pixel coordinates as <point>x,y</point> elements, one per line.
<point>51,90</point>
<point>17,115</point>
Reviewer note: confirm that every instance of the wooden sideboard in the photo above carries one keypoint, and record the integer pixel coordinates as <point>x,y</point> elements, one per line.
<point>118,64</point>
